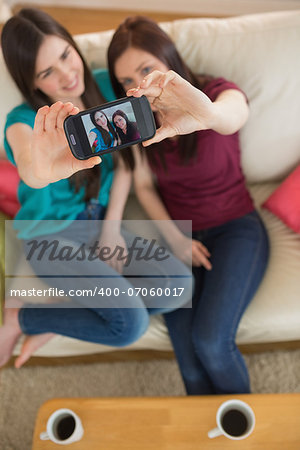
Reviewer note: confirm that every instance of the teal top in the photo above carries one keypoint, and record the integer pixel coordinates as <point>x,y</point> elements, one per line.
<point>58,201</point>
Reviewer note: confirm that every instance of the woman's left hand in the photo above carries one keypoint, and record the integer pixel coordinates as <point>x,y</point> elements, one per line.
<point>183,108</point>
<point>114,241</point>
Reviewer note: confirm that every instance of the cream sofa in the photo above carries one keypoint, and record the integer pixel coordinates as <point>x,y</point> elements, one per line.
<point>261,54</point>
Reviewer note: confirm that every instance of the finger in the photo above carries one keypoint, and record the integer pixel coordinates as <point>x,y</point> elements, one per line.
<point>203,248</point>
<point>39,123</point>
<point>152,91</point>
<point>119,266</point>
<point>155,77</point>
<point>199,258</point>
<point>86,164</point>
<point>67,110</point>
<point>161,134</point>
<point>168,77</point>
<point>205,262</point>
<point>50,120</point>
<point>196,260</point>
<point>134,92</point>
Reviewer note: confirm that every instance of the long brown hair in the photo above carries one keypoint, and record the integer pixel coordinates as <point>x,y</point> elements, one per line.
<point>142,33</point>
<point>130,127</point>
<point>21,38</point>
<point>108,140</point>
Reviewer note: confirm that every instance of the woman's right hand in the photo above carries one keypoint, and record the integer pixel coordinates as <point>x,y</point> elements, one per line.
<point>52,159</point>
<point>183,108</point>
<point>191,252</point>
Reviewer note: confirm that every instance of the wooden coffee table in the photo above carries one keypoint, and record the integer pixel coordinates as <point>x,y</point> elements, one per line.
<point>174,423</point>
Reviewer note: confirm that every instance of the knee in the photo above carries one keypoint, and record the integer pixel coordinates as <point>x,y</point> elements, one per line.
<point>182,291</point>
<point>210,348</point>
<point>134,325</point>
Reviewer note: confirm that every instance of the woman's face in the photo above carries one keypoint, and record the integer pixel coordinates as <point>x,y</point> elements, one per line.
<point>120,122</point>
<point>59,70</point>
<point>134,64</point>
<point>100,119</point>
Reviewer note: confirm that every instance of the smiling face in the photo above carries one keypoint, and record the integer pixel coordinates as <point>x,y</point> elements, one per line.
<point>59,70</point>
<point>134,64</point>
<point>100,119</point>
<point>120,122</point>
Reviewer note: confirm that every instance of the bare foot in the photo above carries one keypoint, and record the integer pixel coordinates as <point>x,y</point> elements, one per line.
<point>10,331</point>
<point>30,345</point>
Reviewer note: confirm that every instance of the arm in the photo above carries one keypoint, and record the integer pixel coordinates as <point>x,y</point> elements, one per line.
<point>42,155</point>
<point>119,192</point>
<point>184,109</point>
<point>182,246</point>
<point>111,230</point>
<point>92,137</point>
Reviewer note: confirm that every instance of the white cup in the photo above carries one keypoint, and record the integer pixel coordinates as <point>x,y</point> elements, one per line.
<point>235,420</point>
<point>63,427</point>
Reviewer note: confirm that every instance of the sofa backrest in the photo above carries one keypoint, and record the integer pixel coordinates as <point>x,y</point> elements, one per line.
<point>259,52</point>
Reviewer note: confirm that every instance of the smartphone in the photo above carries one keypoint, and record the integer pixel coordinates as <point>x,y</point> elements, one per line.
<point>110,127</point>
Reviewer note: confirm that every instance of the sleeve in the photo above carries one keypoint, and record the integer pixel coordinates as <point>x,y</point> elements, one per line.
<point>103,81</point>
<point>21,114</point>
<point>219,85</point>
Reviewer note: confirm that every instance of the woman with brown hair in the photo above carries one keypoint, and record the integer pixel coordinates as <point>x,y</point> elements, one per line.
<point>103,135</point>
<point>199,178</point>
<point>127,131</point>
<point>57,193</point>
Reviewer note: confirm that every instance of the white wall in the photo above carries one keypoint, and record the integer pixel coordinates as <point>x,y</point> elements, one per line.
<point>205,7</point>
<point>5,12</point>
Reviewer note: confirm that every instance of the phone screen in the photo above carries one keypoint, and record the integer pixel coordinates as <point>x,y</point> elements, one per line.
<point>109,127</point>
<point>112,126</point>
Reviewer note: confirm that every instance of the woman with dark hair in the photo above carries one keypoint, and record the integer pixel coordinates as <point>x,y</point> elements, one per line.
<point>103,136</point>
<point>58,191</point>
<point>198,177</point>
<point>127,131</point>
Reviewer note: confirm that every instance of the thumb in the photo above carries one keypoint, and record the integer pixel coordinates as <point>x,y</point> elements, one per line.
<point>162,133</point>
<point>85,164</point>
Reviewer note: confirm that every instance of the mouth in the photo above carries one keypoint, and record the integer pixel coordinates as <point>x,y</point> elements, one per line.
<point>72,85</point>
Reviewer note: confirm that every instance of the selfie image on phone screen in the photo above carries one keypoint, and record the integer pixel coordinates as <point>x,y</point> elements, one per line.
<point>110,127</point>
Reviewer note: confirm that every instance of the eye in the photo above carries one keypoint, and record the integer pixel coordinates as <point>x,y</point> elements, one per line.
<point>127,82</point>
<point>46,74</point>
<point>146,70</point>
<point>66,53</point>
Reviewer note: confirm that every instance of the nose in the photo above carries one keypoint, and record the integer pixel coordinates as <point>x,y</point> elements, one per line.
<point>65,74</point>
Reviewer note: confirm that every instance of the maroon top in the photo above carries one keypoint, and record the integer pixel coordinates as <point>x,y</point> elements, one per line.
<point>211,189</point>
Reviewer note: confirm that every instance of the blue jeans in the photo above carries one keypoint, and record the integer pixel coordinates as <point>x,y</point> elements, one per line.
<point>116,320</point>
<point>204,336</point>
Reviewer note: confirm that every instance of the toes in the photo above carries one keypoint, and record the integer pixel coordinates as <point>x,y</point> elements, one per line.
<point>30,345</point>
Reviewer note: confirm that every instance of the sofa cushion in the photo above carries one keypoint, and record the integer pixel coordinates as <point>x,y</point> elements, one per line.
<point>9,180</point>
<point>284,202</point>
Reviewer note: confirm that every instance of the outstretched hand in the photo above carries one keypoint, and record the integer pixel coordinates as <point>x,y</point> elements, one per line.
<point>52,159</point>
<point>183,108</point>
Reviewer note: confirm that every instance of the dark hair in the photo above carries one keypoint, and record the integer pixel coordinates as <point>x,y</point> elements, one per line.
<point>21,38</point>
<point>105,134</point>
<point>130,130</point>
<point>143,33</point>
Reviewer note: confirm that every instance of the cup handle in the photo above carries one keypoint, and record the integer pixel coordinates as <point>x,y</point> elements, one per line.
<point>215,432</point>
<point>44,436</point>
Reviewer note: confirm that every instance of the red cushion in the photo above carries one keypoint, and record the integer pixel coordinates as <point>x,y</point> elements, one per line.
<point>9,180</point>
<point>284,202</point>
